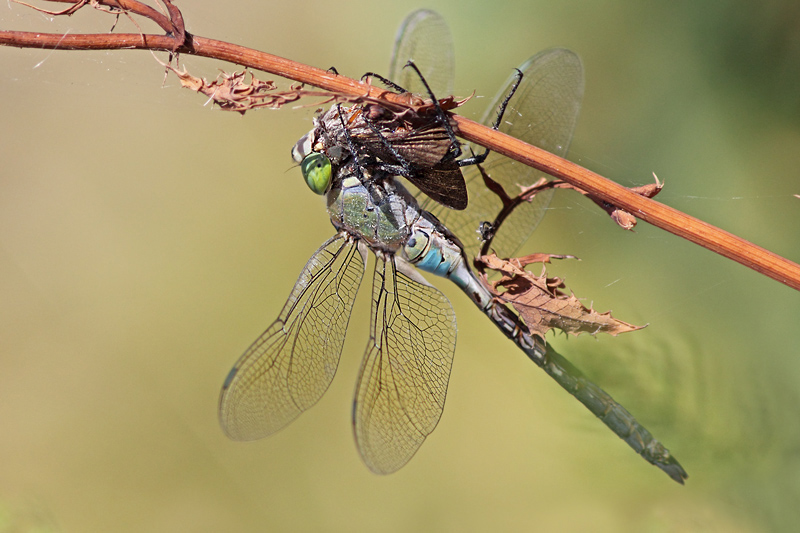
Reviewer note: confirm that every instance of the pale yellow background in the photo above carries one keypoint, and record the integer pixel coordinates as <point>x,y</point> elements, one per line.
<point>147,239</point>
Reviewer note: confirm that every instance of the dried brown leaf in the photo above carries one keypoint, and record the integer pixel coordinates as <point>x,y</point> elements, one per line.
<point>624,219</point>
<point>541,303</point>
<point>235,92</point>
<point>649,190</point>
<point>540,258</point>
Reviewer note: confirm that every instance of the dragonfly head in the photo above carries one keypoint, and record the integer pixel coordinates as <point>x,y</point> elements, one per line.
<point>316,169</point>
<point>316,162</point>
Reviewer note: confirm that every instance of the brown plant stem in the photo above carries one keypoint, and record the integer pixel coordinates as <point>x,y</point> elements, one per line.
<point>657,214</point>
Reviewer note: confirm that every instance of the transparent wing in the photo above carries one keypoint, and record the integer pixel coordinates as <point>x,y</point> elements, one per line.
<point>425,38</point>
<point>403,379</point>
<point>290,366</point>
<point>543,112</point>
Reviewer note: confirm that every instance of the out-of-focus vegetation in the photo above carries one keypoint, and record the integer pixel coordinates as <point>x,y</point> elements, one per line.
<point>145,240</point>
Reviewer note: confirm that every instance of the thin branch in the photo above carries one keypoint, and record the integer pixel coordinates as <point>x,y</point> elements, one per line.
<point>132,7</point>
<point>179,41</point>
<point>656,213</point>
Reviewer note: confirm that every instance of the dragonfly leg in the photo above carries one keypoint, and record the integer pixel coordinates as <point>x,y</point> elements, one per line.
<point>404,168</point>
<point>480,158</point>
<point>456,146</point>
<point>389,83</point>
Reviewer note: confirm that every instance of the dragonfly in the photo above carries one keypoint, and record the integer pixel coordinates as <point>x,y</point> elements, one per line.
<point>404,375</point>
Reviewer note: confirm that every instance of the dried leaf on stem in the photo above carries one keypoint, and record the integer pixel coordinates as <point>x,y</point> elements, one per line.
<point>542,304</point>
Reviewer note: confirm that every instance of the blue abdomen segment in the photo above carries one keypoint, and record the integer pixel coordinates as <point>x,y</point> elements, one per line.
<point>429,250</point>
<point>432,252</point>
<point>435,262</point>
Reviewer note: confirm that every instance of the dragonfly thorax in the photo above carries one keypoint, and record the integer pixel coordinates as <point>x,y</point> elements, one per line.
<point>372,207</point>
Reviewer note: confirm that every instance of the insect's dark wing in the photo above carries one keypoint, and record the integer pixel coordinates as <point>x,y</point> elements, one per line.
<point>425,146</point>
<point>443,184</point>
<point>543,112</point>
<point>424,38</point>
<point>290,366</point>
<point>403,379</point>
<point>427,150</point>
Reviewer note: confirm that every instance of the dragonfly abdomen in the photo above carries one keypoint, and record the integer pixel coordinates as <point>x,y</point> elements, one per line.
<point>430,249</point>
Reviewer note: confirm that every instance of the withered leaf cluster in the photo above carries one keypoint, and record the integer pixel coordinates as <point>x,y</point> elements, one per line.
<point>542,304</point>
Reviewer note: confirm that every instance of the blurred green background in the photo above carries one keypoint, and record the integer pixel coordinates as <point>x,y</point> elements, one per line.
<point>147,239</point>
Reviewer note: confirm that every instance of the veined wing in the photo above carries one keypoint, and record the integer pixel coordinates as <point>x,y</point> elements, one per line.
<point>424,38</point>
<point>543,112</point>
<point>427,149</point>
<point>403,379</point>
<point>426,146</point>
<point>290,366</point>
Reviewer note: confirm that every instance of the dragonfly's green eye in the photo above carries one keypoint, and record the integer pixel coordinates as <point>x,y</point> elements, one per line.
<point>316,168</point>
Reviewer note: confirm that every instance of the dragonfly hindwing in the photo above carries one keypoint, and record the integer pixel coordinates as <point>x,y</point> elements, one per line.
<point>290,366</point>
<point>403,379</point>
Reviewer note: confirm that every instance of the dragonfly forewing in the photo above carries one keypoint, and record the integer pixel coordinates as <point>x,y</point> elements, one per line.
<point>424,37</point>
<point>290,366</point>
<point>543,112</point>
<point>403,379</point>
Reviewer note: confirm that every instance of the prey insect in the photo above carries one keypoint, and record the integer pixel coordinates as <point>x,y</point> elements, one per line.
<point>420,146</point>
